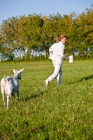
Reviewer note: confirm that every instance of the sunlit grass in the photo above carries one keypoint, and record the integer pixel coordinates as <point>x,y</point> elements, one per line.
<point>57,113</point>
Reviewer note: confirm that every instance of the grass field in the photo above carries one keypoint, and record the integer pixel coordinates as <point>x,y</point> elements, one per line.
<point>57,113</point>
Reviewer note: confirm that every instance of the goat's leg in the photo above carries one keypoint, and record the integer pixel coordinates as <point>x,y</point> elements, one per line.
<point>18,95</point>
<point>8,100</point>
<point>2,91</point>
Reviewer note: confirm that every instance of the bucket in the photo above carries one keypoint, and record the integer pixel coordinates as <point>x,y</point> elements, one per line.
<point>71,59</point>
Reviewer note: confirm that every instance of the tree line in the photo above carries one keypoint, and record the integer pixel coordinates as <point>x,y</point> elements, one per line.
<point>20,35</point>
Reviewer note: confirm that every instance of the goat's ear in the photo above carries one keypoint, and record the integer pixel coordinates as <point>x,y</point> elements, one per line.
<point>5,79</point>
<point>4,76</point>
<point>13,71</point>
<point>21,70</point>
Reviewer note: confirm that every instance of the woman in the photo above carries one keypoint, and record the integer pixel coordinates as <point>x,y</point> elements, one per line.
<point>57,55</point>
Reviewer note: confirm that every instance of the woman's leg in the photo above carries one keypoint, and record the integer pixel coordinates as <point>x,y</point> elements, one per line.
<point>59,77</point>
<point>57,67</point>
<point>55,73</point>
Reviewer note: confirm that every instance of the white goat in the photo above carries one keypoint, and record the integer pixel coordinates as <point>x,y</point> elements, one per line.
<point>10,85</point>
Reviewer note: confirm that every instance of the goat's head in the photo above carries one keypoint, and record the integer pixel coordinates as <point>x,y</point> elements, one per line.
<point>17,73</point>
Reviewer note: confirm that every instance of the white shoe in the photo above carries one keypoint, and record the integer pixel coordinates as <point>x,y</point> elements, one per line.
<point>46,83</point>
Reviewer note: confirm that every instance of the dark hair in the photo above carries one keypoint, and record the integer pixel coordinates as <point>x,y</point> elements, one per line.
<point>60,37</point>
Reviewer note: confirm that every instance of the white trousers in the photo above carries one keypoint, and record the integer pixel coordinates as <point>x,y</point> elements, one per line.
<point>57,71</point>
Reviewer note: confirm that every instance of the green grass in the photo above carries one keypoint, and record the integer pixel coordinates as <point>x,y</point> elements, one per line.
<point>57,113</point>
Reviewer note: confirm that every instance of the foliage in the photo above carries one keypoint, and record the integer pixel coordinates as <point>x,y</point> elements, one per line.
<point>36,32</point>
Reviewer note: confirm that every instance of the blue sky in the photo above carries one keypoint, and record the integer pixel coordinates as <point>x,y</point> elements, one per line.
<point>9,8</point>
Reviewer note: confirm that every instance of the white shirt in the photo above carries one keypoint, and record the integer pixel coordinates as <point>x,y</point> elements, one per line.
<point>56,50</point>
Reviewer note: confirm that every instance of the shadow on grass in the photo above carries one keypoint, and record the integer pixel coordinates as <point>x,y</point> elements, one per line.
<point>82,79</point>
<point>33,96</point>
<point>86,78</point>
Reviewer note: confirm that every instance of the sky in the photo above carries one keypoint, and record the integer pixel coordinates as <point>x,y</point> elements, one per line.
<point>16,8</point>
